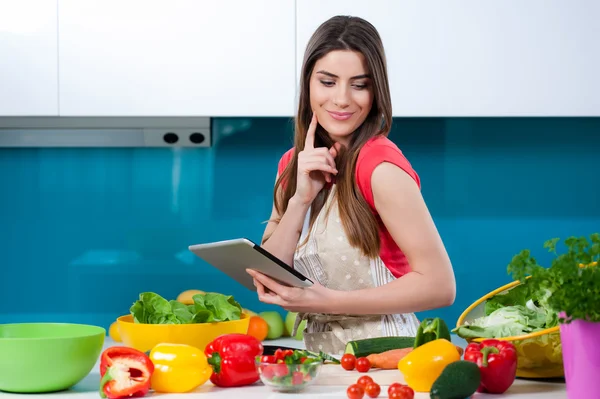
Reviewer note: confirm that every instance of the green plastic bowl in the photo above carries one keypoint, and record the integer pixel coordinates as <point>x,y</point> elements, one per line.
<point>47,357</point>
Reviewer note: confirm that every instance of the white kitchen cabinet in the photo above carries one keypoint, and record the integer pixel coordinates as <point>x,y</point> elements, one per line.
<point>479,58</point>
<point>177,58</point>
<point>28,58</point>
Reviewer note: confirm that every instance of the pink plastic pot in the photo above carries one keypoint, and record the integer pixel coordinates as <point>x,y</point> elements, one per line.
<point>581,357</point>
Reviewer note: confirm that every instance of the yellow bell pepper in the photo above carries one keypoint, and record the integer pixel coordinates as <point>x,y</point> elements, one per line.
<point>178,368</point>
<point>423,365</point>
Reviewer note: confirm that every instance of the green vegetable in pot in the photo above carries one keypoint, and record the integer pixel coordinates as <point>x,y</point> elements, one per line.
<point>571,285</point>
<point>572,282</point>
<point>151,308</point>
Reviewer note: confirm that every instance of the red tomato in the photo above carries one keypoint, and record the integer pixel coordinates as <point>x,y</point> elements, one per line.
<point>297,378</point>
<point>364,380</point>
<point>268,359</point>
<point>363,364</point>
<point>348,361</point>
<point>403,392</point>
<point>281,354</point>
<point>268,371</point>
<point>394,387</point>
<point>355,391</point>
<point>287,352</point>
<point>373,389</point>
<point>281,370</point>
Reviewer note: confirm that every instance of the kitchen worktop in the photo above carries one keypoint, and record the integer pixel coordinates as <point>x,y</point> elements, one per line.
<point>88,387</point>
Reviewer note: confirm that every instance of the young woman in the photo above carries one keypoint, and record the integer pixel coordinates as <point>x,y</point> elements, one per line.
<point>348,211</point>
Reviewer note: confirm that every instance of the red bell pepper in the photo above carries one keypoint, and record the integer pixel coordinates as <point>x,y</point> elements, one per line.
<point>233,359</point>
<point>497,361</point>
<point>125,372</point>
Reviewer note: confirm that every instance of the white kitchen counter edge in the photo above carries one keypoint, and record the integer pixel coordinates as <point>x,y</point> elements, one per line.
<point>88,388</point>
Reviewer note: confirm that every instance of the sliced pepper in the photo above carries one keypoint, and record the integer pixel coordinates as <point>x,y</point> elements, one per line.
<point>178,368</point>
<point>497,361</point>
<point>423,365</point>
<point>125,372</point>
<point>431,329</point>
<point>233,359</point>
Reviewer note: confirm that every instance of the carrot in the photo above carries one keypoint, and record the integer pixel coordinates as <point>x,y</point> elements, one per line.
<point>388,359</point>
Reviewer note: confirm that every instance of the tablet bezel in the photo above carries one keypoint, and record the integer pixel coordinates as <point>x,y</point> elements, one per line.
<point>215,254</point>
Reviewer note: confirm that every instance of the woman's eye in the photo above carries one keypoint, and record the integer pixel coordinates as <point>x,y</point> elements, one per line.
<point>360,87</point>
<point>327,83</point>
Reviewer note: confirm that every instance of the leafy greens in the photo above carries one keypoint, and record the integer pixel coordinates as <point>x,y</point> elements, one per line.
<point>152,308</point>
<point>572,281</point>
<point>518,311</point>
<point>569,289</point>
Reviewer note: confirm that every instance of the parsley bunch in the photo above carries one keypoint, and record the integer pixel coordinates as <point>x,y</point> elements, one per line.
<point>572,282</point>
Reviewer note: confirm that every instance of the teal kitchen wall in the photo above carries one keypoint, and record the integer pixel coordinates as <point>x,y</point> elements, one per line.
<point>84,231</point>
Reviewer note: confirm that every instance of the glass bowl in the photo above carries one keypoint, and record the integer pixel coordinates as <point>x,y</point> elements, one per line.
<point>281,377</point>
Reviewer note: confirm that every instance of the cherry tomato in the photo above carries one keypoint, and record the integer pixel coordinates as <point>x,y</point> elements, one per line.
<point>373,389</point>
<point>355,391</point>
<point>348,361</point>
<point>407,391</point>
<point>394,387</point>
<point>363,364</point>
<point>364,380</point>
<point>403,392</point>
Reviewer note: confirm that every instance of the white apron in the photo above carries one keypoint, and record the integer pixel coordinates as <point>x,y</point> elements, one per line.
<point>328,258</point>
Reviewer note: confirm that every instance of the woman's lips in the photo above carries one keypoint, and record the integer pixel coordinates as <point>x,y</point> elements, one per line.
<point>340,116</point>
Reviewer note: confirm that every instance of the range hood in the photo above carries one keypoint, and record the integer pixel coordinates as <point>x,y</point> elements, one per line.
<point>105,132</point>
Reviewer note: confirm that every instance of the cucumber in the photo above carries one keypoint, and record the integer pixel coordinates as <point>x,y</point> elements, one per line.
<point>369,346</point>
<point>458,380</point>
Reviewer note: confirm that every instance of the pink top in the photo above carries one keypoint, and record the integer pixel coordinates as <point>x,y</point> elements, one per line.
<point>377,150</point>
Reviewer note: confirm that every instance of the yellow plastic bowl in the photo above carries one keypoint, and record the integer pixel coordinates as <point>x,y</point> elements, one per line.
<point>539,353</point>
<point>144,337</point>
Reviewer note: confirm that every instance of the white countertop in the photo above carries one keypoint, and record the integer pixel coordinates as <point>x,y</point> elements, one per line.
<point>88,387</point>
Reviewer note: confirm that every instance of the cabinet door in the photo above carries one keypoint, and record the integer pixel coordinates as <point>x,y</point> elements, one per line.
<point>479,58</point>
<point>177,58</point>
<point>28,58</point>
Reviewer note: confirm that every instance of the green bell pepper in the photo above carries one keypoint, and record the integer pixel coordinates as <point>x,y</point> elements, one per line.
<point>431,329</point>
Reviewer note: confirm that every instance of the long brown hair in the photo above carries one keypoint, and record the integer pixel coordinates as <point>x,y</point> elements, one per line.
<point>355,34</point>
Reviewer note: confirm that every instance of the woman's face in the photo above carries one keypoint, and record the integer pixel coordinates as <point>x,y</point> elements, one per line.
<point>341,93</point>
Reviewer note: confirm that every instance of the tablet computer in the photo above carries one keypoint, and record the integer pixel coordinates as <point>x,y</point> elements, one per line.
<point>233,257</point>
